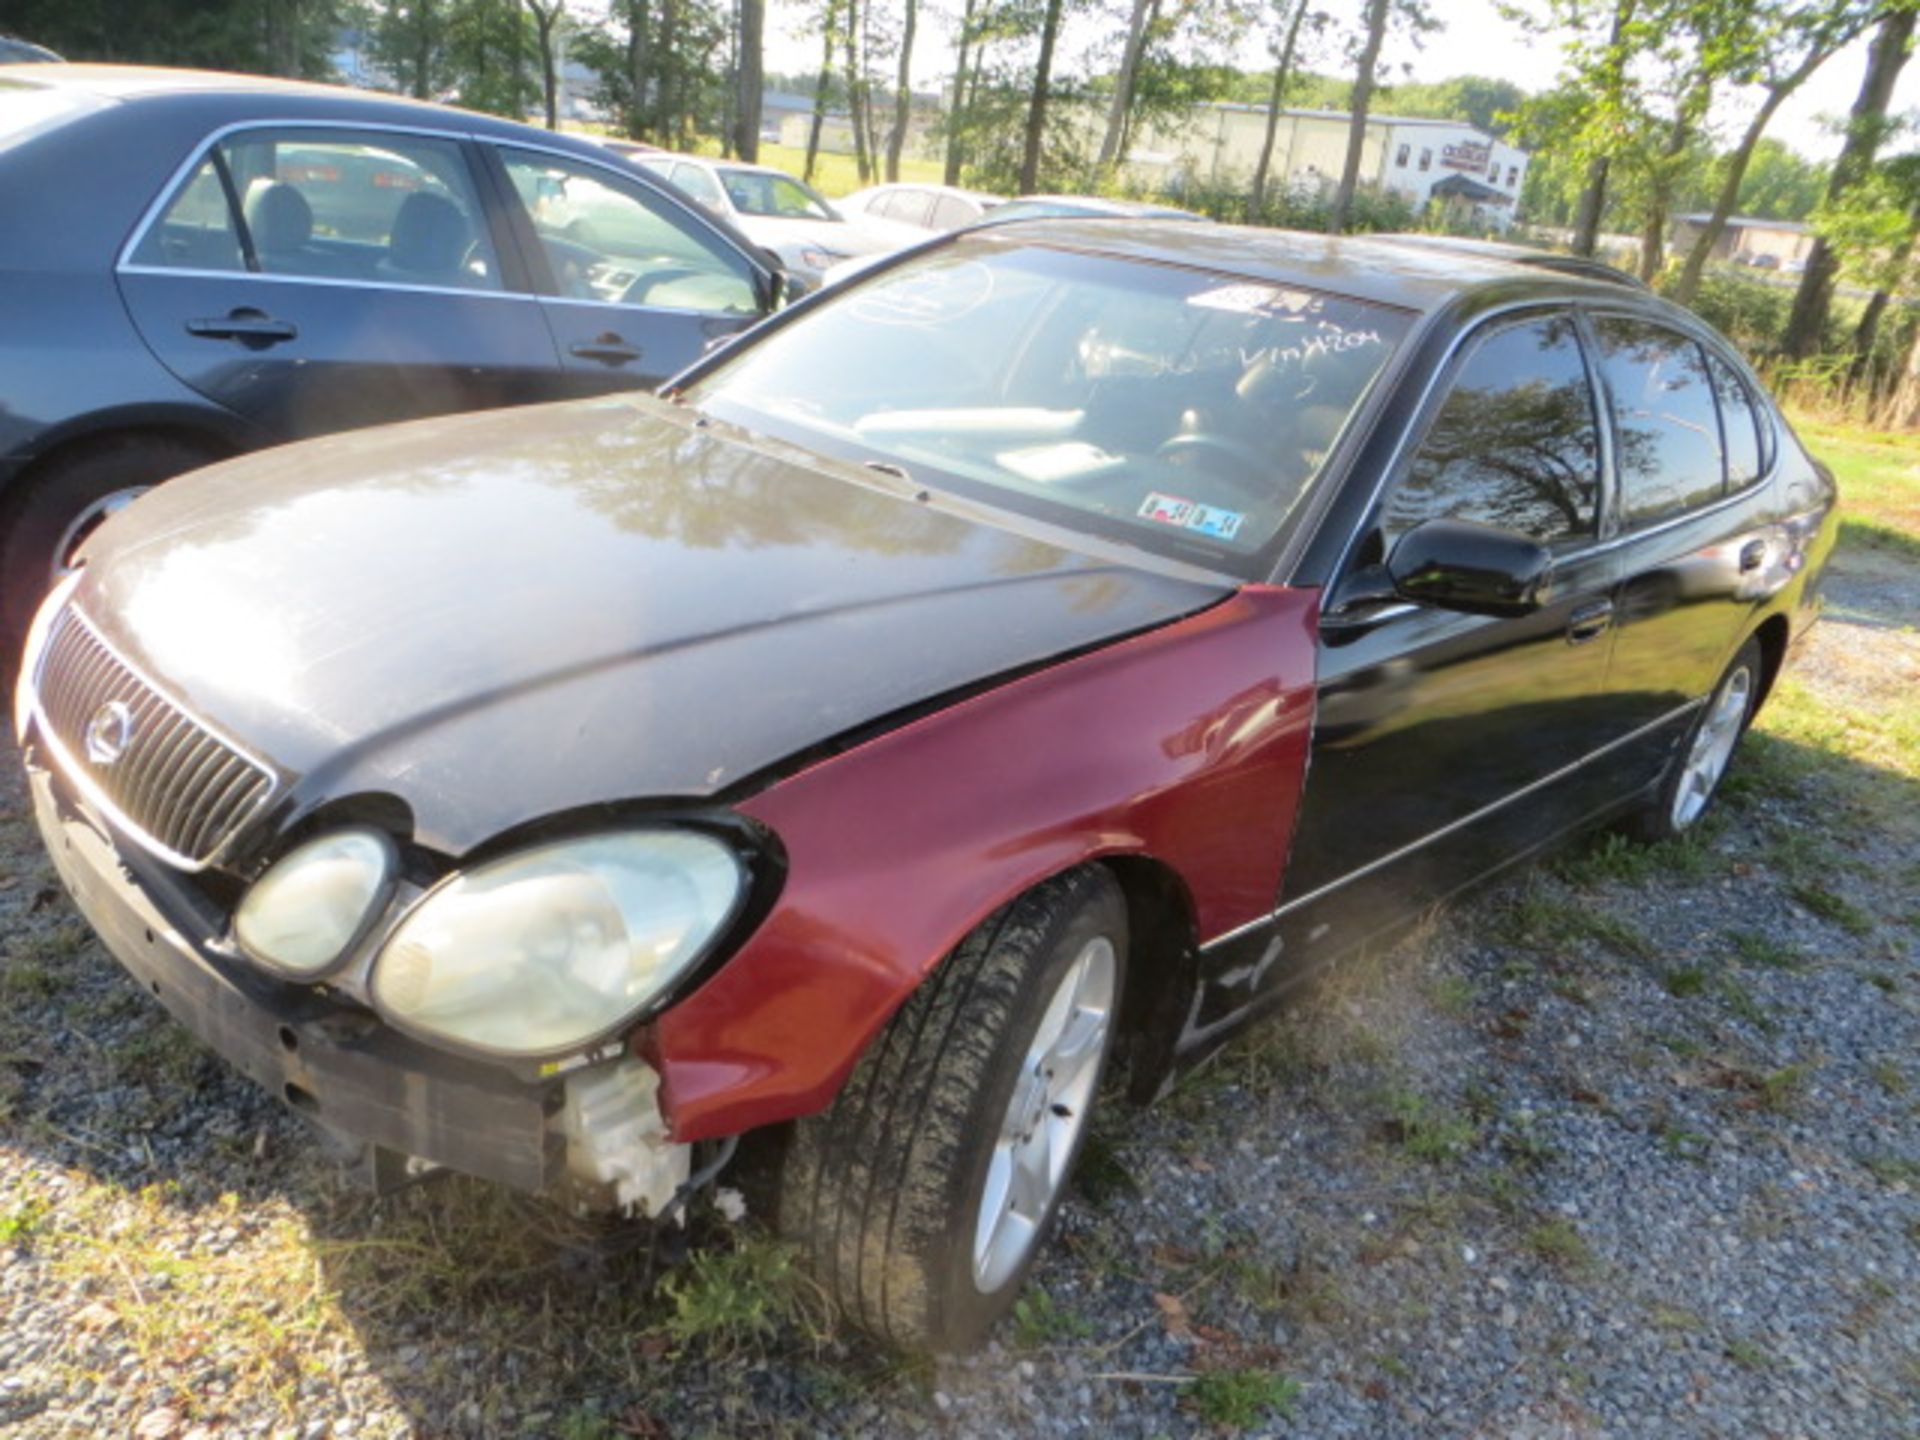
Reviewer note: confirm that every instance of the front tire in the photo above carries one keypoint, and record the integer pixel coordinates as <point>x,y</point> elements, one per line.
<point>923,1194</point>
<point>1700,763</point>
<point>63,504</point>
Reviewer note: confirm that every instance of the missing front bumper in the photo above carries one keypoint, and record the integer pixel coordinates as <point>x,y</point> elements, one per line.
<point>336,1065</point>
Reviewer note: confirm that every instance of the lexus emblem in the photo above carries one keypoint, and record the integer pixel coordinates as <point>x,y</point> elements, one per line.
<point>109,732</point>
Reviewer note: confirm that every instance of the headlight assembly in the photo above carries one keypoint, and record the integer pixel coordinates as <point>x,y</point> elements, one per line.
<point>308,909</point>
<point>819,259</point>
<point>547,950</point>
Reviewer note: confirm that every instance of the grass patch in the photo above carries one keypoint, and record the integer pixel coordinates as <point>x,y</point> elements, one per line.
<point>1559,1244</point>
<point>1685,982</point>
<point>1879,475</point>
<point>725,1300</point>
<point>1612,857</point>
<point>1889,1077</point>
<point>1545,922</point>
<point>1424,1129</point>
<point>1756,948</point>
<point>1890,1169</point>
<point>1237,1400</point>
<point>1747,1355</point>
<point>1040,1320</point>
<point>837,175</point>
<point>1834,907</point>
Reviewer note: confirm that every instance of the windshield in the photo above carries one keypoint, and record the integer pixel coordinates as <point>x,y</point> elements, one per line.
<point>1184,410</point>
<point>754,192</point>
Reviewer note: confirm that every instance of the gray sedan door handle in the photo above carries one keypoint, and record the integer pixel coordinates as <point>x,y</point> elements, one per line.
<point>253,328</point>
<point>608,349</point>
<point>1589,621</point>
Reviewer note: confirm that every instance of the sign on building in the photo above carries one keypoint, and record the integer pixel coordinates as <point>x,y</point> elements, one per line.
<point>1466,155</point>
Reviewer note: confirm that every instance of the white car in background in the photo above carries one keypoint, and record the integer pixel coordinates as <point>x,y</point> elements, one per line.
<point>925,209</point>
<point>774,210</point>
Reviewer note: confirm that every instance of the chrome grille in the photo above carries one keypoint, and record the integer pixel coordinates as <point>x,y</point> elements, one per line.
<point>178,788</point>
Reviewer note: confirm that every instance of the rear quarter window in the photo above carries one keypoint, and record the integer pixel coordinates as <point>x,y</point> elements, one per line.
<point>1666,425</point>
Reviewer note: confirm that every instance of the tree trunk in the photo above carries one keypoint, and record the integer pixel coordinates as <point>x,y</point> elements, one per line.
<point>957,116</point>
<point>822,85</point>
<point>1281,74</point>
<point>638,22</point>
<point>903,95</point>
<point>666,67</point>
<point>1123,90</point>
<point>1593,196</point>
<point>546,17</point>
<point>851,62</point>
<point>1357,126</point>
<point>1593,202</point>
<point>1866,127</point>
<point>1868,330</point>
<point>1037,106</point>
<point>1728,198</point>
<point>1653,226</point>
<point>750,82</point>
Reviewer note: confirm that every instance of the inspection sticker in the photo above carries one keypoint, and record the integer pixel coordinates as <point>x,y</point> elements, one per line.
<point>1220,524</point>
<point>1168,509</point>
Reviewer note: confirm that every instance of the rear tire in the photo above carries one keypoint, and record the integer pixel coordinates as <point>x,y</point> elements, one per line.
<point>59,506</point>
<point>899,1191</point>
<point>1701,761</point>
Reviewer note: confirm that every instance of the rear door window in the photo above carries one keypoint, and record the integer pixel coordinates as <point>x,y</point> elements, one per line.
<point>699,185</point>
<point>1666,427</point>
<point>909,207</point>
<point>373,207</point>
<point>1516,443</point>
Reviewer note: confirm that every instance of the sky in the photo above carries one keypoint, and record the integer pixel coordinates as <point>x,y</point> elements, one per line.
<point>1474,41</point>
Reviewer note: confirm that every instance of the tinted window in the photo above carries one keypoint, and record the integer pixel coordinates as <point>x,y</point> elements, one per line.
<point>620,243</point>
<point>1667,433</point>
<point>1516,443</point>
<point>1739,423</point>
<point>1168,406</point>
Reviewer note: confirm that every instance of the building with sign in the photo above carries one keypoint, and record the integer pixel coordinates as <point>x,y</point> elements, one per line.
<point>1474,173</point>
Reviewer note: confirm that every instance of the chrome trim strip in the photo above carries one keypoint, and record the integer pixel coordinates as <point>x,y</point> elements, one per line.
<point>1445,830</point>
<point>91,791</point>
<point>336,280</point>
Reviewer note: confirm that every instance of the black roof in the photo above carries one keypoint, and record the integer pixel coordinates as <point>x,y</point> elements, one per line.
<point>1387,270</point>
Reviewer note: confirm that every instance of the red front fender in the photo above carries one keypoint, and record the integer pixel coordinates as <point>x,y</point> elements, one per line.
<point>1187,744</point>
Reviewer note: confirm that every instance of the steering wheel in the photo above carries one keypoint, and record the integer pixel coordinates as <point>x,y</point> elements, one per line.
<point>1244,468</point>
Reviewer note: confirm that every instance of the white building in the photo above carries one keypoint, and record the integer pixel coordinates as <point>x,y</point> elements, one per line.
<point>1422,160</point>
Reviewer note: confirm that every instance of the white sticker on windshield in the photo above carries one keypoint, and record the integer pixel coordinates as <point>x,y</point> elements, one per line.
<point>1241,298</point>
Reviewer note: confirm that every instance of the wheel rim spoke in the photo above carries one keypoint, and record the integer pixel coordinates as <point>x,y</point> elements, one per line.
<point>1045,1115</point>
<point>1712,749</point>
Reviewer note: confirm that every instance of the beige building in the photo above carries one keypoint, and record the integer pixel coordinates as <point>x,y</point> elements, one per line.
<point>1422,160</point>
<point>1767,244</point>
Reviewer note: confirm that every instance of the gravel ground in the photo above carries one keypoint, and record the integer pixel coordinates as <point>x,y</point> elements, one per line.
<point>1625,1146</point>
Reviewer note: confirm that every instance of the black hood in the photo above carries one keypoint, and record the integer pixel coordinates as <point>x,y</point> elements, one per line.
<point>501,616</point>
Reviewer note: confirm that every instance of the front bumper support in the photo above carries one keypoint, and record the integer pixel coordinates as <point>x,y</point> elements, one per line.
<point>331,1062</point>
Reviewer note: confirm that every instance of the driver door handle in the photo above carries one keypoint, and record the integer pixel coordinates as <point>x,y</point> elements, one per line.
<point>1589,621</point>
<point>608,349</point>
<point>250,327</point>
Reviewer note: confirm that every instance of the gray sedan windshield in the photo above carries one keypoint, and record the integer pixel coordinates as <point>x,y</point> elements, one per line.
<point>1176,408</point>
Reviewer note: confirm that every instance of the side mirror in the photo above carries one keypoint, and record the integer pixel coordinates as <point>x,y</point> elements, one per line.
<point>1459,565</point>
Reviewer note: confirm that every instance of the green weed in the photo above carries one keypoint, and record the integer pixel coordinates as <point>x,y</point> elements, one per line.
<point>1238,1400</point>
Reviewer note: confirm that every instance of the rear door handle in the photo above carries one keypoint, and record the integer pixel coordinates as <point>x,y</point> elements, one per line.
<point>1751,554</point>
<point>253,328</point>
<point>1589,621</point>
<point>608,349</point>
